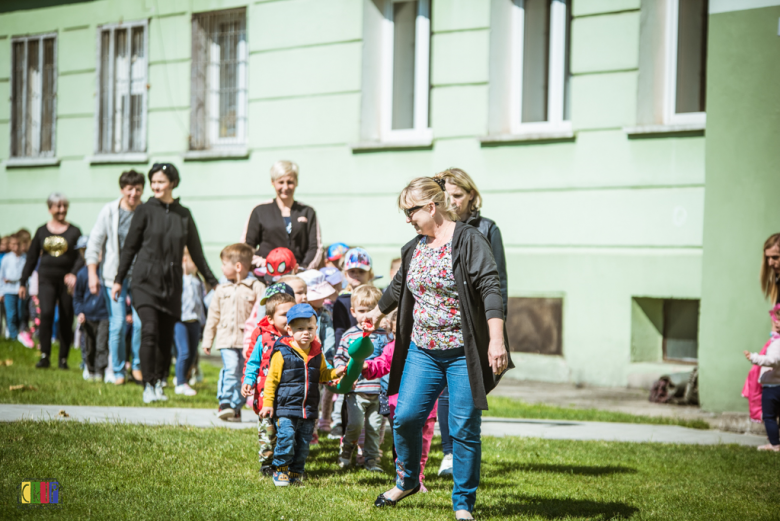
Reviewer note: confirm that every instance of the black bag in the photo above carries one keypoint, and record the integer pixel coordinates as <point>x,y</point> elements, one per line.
<point>384,404</point>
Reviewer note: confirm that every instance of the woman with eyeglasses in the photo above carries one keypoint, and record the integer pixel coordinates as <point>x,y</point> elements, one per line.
<point>450,333</point>
<point>159,231</point>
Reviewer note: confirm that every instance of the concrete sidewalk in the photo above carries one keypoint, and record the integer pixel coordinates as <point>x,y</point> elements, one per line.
<point>547,429</point>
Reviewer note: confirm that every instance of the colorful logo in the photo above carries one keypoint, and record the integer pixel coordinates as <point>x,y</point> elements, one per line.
<point>39,493</point>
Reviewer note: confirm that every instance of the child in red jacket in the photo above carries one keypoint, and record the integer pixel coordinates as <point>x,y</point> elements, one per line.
<point>278,300</point>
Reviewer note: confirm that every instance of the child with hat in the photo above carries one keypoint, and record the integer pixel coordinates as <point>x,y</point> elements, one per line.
<point>291,397</point>
<point>335,254</point>
<point>278,299</point>
<point>92,315</point>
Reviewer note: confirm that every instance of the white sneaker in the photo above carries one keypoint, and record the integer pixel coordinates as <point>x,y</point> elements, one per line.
<point>149,394</point>
<point>446,466</point>
<point>109,377</point>
<point>175,381</point>
<point>186,390</point>
<point>158,391</point>
<point>85,375</point>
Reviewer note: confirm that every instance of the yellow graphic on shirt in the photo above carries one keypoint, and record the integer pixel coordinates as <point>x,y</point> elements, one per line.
<point>55,245</point>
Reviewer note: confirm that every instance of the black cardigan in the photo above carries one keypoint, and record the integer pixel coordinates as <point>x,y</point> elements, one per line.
<point>476,278</point>
<point>158,234</point>
<point>490,230</point>
<point>266,230</point>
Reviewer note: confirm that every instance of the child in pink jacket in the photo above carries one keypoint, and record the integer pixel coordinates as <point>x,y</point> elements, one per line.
<point>379,367</point>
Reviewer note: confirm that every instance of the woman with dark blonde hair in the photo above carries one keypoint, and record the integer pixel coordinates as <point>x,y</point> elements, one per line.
<point>450,333</point>
<point>770,268</point>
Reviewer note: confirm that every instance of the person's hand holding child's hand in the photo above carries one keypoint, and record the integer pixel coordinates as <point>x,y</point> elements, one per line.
<point>207,350</point>
<point>246,390</point>
<point>341,370</point>
<point>82,318</point>
<point>266,412</point>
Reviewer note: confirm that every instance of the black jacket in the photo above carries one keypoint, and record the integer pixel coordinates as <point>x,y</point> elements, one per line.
<point>490,230</point>
<point>158,234</point>
<point>476,278</point>
<point>266,230</point>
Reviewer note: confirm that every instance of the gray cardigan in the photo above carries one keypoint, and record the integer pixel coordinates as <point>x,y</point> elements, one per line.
<point>104,235</point>
<point>479,291</point>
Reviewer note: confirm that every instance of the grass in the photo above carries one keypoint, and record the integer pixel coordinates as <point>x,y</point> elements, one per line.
<point>54,386</point>
<point>503,407</point>
<point>118,471</point>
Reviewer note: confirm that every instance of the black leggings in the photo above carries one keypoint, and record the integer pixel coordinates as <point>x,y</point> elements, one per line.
<point>156,341</point>
<point>50,292</point>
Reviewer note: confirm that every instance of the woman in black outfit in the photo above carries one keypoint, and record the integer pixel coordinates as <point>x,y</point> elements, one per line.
<point>284,222</point>
<point>55,244</point>
<point>159,231</point>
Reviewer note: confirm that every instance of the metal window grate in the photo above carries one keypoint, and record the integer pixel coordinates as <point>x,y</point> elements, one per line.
<point>219,80</point>
<point>33,96</point>
<point>122,88</point>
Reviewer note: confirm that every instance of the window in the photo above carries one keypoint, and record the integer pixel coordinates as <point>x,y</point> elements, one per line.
<point>664,330</point>
<point>534,325</point>
<point>686,61</point>
<point>219,80</point>
<point>406,75</point>
<point>33,95</point>
<point>122,88</point>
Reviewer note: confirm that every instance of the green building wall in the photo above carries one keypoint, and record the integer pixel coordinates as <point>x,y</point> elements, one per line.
<point>742,158</point>
<point>596,220</point>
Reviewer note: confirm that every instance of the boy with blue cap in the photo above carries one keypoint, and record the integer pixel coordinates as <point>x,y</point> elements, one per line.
<point>291,394</point>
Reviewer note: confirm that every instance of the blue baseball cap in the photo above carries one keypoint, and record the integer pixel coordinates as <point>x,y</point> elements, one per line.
<point>300,311</point>
<point>337,250</point>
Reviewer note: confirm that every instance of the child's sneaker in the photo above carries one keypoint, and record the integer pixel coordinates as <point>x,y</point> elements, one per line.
<point>85,374</point>
<point>372,466</point>
<point>296,480</point>
<point>26,339</point>
<point>315,438</point>
<point>770,447</point>
<point>281,477</point>
<point>149,394</point>
<point>225,412</point>
<point>158,391</point>
<point>236,416</point>
<point>335,433</point>
<point>186,390</point>
<point>445,469</point>
<point>267,470</point>
<point>345,456</point>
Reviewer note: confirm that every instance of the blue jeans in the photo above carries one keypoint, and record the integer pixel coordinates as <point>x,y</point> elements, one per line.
<point>423,380</point>
<point>186,336</point>
<point>14,311</point>
<point>117,325</point>
<point>229,385</point>
<point>292,443</point>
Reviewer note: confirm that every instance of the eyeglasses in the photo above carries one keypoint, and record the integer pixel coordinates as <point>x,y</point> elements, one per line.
<point>410,211</point>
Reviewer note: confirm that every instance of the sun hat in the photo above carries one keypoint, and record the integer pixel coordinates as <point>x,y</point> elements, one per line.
<point>273,289</point>
<point>337,250</point>
<point>316,285</point>
<point>280,262</point>
<point>332,275</point>
<point>357,258</point>
<point>300,311</point>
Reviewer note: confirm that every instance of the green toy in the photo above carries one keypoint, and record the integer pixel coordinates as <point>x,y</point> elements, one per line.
<point>359,350</point>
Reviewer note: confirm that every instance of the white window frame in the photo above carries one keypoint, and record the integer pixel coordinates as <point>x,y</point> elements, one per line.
<point>38,109</point>
<point>215,144</point>
<point>422,83</point>
<point>556,72</point>
<point>671,117</point>
<point>125,152</point>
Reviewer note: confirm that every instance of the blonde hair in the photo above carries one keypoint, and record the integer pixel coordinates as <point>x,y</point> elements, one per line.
<point>287,278</point>
<point>424,190</point>
<point>283,168</point>
<point>238,252</point>
<point>462,180</point>
<point>275,300</point>
<point>365,295</point>
<point>768,278</point>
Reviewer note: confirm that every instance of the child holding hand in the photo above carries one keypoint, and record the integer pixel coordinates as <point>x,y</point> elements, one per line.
<point>769,379</point>
<point>291,394</point>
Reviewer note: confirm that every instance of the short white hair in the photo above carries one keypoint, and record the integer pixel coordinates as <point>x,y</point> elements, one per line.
<point>284,168</point>
<point>56,197</point>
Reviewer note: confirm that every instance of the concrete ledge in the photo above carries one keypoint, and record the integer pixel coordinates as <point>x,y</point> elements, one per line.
<point>31,162</point>
<point>216,154</point>
<point>660,130</point>
<point>114,159</point>
<point>541,136</point>
<point>382,146</point>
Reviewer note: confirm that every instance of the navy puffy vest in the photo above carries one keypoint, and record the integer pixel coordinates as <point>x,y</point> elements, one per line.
<point>298,394</point>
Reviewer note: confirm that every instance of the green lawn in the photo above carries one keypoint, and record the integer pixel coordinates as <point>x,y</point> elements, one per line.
<point>115,471</point>
<point>54,386</point>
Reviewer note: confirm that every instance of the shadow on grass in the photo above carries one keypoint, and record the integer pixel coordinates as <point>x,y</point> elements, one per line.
<point>558,508</point>
<point>579,470</point>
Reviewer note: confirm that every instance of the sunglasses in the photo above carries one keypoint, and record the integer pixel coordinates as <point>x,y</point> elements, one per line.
<point>410,211</point>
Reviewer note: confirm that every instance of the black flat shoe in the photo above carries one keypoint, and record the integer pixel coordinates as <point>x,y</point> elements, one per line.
<point>43,363</point>
<point>382,501</point>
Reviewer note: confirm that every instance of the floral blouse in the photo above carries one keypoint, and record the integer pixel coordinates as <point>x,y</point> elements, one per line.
<point>437,323</point>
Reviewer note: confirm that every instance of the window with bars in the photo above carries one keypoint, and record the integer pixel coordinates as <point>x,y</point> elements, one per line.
<point>406,84</point>
<point>540,78</point>
<point>218,116</point>
<point>33,96</point>
<point>122,88</point>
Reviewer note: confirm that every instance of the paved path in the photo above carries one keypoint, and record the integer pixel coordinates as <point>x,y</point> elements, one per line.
<point>547,429</point>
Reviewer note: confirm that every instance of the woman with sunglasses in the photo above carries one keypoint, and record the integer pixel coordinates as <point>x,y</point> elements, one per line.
<point>450,332</point>
<point>158,233</point>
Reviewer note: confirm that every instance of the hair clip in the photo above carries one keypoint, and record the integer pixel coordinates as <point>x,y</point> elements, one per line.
<point>439,182</point>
